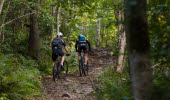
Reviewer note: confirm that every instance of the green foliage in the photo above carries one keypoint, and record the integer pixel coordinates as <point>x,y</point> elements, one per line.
<point>161,88</point>
<point>18,78</point>
<point>14,60</point>
<point>160,46</point>
<point>113,85</point>
<point>159,31</point>
<point>72,60</point>
<point>45,59</point>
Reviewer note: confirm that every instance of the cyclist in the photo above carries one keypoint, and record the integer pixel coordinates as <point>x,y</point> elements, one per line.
<point>57,45</point>
<point>82,44</point>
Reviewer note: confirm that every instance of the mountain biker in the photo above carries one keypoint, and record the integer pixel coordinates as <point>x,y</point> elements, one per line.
<point>57,45</point>
<point>82,44</point>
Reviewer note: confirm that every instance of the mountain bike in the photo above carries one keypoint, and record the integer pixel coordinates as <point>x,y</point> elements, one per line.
<point>58,71</point>
<point>82,68</point>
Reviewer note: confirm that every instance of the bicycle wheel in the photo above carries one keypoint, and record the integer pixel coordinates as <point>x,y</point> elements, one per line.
<point>55,76</point>
<point>64,70</point>
<point>80,68</point>
<point>86,68</point>
<point>65,66</point>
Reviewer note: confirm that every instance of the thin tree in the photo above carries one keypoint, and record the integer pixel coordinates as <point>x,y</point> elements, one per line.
<point>138,49</point>
<point>98,32</point>
<point>52,25</point>
<point>121,38</point>
<point>1,5</point>
<point>58,19</point>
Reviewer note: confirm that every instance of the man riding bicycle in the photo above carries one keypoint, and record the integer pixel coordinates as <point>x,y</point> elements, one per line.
<point>57,45</point>
<point>82,44</point>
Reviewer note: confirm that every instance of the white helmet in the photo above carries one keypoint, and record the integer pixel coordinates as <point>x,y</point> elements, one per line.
<point>60,34</point>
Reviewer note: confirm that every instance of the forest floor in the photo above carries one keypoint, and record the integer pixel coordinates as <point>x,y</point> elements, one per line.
<point>74,87</point>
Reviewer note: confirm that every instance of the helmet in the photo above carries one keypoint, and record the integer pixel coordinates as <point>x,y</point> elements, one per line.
<point>60,34</point>
<point>81,36</point>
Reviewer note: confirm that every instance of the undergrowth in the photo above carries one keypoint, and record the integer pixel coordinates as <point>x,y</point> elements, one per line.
<point>113,86</point>
<point>19,79</point>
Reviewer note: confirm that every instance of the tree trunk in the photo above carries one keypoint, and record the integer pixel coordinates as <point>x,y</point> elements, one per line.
<point>121,41</point>
<point>106,37</point>
<point>121,56</point>
<point>138,49</point>
<point>98,32</point>
<point>1,5</point>
<point>58,20</point>
<point>53,14</point>
<point>84,28</point>
<point>34,41</point>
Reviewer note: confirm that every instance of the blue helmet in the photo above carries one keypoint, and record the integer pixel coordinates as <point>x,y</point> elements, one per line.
<point>81,37</point>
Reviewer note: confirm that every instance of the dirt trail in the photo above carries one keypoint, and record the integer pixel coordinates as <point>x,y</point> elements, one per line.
<point>74,87</point>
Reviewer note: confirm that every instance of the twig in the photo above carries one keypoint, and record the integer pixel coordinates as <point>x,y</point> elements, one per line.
<point>159,63</point>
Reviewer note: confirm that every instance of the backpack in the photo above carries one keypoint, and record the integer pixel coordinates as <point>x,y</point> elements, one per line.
<point>56,43</point>
<point>81,38</point>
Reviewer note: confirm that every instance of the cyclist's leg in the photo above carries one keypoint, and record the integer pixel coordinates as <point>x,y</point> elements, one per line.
<point>85,55</point>
<point>79,56</point>
<point>86,58</point>
<point>62,60</point>
<point>79,52</point>
<point>61,54</point>
<point>54,57</point>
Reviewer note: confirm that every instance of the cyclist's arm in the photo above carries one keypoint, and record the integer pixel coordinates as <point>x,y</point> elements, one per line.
<point>88,44</point>
<point>65,47</point>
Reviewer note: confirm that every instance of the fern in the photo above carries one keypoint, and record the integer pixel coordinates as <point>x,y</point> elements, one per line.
<point>113,85</point>
<point>19,79</point>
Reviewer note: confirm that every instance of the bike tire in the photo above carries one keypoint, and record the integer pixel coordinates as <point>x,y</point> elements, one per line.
<point>80,68</point>
<point>85,69</point>
<point>55,72</point>
<point>63,72</point>
<point>65,65</point>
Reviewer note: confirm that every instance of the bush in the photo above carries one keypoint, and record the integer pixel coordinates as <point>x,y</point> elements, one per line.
<point>113,86</point>
<point>18,78</point>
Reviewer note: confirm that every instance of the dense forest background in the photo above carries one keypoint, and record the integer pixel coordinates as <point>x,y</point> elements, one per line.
<point>137,31</point>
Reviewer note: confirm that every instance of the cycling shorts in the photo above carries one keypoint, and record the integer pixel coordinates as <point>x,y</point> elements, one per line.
<point>82,47</point>
<point>56,53</point>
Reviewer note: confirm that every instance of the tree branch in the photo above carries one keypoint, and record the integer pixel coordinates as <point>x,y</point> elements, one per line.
<point>15,19</point>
